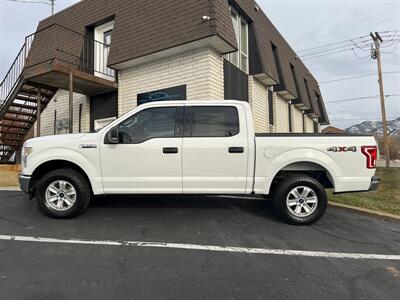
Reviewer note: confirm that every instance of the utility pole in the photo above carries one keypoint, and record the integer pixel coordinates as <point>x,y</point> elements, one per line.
<point>52,6</point>
<point>376,54</point>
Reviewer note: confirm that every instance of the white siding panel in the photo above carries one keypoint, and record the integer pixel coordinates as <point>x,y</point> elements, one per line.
<point>258,99</point>
<point>297,116</point>
<point>201,70</point>
<point>281,114</point>
<point>309,124</point>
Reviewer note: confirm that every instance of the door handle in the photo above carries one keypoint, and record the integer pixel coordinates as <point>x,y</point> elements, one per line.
<point>170,150</point>
<point>236,149</point>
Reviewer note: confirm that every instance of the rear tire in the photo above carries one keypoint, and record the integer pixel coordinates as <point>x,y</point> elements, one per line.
<point>300,200</point>
<point>63,194</point>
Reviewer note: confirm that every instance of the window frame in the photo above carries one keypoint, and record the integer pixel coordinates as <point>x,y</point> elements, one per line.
<point>188,121</point>
<point>237,22</point>
<point>178,130</point>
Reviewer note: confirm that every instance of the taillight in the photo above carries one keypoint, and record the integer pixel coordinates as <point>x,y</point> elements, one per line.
<point>371,153</point>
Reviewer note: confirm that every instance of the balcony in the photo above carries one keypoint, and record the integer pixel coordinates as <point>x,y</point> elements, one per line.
<point>52,58</point>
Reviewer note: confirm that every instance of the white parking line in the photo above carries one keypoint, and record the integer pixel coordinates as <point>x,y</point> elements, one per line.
<point>202,247</point>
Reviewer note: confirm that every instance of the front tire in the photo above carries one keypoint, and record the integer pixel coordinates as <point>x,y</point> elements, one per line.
<point>63,194</point>
<point>300,200</point>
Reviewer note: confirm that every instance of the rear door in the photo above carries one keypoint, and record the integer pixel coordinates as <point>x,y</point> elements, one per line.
<point>215,149</point>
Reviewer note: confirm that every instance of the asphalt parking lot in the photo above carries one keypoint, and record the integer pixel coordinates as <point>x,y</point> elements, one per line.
<point>190,254</point>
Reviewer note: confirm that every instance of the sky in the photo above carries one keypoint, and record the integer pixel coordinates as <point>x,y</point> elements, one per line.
<point>305,25</point>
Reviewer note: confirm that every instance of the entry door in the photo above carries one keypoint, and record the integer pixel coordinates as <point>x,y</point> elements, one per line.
<point>102,43</point>
<point>148,158</point>
<point>215,150</point>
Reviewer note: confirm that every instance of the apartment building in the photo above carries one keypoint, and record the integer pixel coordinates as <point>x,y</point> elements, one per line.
<point>98,59</point>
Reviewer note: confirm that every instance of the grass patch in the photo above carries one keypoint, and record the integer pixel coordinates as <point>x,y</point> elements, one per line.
<point>386,199</point>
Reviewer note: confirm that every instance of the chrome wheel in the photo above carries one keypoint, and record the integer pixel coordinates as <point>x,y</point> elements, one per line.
<point>60,195</point>
<point>302,201</point>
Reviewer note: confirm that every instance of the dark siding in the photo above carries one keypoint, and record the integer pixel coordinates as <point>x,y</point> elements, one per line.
<point>103,106</point>
<point>271,108</point>
<point>281,86</point>
<point>315,126</point>
<point>236,83</point>
<point>143,27</point>
<point>255,66</point>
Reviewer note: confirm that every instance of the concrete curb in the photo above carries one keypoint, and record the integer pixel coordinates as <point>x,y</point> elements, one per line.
<point>10,188</point>
<point>366,211</point>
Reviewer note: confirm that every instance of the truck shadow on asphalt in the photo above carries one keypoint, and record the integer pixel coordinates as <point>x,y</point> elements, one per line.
<point>255,206</point>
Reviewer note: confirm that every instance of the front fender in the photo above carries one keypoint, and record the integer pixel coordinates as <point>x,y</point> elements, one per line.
<point>68,155</point>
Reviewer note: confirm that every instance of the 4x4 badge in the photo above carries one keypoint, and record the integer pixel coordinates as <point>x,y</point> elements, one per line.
<point>343,149</point>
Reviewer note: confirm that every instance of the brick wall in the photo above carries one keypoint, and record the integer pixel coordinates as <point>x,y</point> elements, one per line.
<point>297,119</point>
<point>309,124</point>
<point>281,114</point>
<point>201,70</point>
<point>258,99</point>
<point>60,103</point>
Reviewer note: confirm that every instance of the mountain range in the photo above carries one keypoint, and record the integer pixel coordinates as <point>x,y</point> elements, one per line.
<point>376,127</point>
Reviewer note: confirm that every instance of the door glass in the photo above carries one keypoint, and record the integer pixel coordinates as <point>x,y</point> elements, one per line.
<point>213,121</point>
<point>148,124</point>
<point>107,38</point>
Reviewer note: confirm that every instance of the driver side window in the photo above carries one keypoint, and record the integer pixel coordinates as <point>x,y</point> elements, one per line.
<point>158,122</point>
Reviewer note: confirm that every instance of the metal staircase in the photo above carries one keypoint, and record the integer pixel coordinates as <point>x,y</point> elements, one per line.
<point>18,116</point>
<point>18,105</point>
<point>52,58</point>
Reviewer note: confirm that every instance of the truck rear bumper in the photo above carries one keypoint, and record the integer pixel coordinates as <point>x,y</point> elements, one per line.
<point>24,182</point>
<point>374,185</point>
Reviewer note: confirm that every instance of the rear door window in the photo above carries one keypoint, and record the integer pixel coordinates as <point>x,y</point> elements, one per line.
<point>211,121</point>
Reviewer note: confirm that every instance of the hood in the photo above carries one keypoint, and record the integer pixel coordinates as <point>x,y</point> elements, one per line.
<point>55,138</point>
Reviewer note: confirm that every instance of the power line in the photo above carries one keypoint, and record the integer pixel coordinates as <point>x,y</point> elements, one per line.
<point>363,119</point>
<point>349,41</point>
<point>359,76</point>
<point>361,98</point>
<point>331,44</point>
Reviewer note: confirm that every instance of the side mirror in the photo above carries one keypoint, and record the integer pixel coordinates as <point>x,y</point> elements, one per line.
<point>113,136</point>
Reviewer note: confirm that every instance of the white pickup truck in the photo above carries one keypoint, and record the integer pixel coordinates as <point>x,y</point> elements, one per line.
<point>196,147</point>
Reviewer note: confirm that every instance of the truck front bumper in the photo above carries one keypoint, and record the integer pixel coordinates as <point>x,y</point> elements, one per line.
<point>374,185</point>
<point>24,182</point>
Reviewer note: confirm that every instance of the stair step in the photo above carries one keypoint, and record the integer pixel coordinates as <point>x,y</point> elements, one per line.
<point>14,126</point>
<point>23,106</point>
<point>33,93</point>
<point>25,98</point>
<point>9,138</point>
<point>6,118</point>
<point>10,132</point>
<point>22,113</point>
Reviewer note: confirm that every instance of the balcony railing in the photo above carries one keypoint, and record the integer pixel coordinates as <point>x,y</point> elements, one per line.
<point>60,44</point>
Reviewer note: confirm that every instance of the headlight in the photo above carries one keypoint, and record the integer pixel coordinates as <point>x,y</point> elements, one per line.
<point>26,151</point>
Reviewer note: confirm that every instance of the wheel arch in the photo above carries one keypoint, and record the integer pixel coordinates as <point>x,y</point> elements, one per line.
<point>305,167</point>
<point>54,164</point>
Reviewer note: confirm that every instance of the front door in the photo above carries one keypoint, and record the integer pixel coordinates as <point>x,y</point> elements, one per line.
<point>215,149</point>
<point>148,158</point>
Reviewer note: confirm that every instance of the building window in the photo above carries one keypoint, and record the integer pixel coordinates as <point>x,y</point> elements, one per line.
<point>240,58</point>
<point>290,117</point>
<point>304,122</point>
